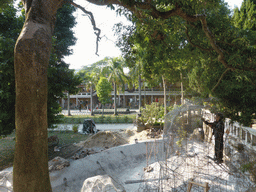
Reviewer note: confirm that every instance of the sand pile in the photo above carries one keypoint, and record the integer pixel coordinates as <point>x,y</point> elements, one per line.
<point>131,134</point>
<point>104,139</point>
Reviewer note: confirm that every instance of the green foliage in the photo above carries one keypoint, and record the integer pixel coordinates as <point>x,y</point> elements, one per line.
<point>117,119</point>
<point>99,119</point>
<point>170,46</point>
<point>126,119</point>
<point>4,4</point>
<point>104,89</point>
<point>9,31</point>
<point>152,114</point>
<point>244,18</point>
<point>60,77</point>
<point>108,119</point>
<point>75,128</point>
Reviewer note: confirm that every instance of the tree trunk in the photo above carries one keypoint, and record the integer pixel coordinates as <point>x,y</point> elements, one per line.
<point>119,99</point>
<point>91,102</point>
<point>69,114</point>
<point>139,93</point>
<point>115,111</point>
<point>181,90</point>
<point>165,106</point>
<point>124,100</point>
<point>32,53</point>
<point>152,97</point>
<point>145,99</point>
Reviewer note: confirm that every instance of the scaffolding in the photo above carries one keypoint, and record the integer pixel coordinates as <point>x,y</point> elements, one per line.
<point>181,161</point>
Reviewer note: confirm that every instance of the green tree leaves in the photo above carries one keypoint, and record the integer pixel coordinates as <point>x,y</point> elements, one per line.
<point>9,31</point>
<point>104,89</point>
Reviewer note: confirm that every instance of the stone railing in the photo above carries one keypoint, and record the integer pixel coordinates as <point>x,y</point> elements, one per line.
<point>245,135</point>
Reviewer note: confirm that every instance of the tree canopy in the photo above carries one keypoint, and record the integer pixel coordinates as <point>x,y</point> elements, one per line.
<point>60,77</point>
<point>9,32</point>
<point>198,26</point>
<point>104,89</point>
<point>203,43</point>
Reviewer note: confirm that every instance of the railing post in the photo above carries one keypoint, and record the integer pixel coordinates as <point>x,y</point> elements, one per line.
<point>253,140</point>
<point>248,139</point>
<point>243,134</point>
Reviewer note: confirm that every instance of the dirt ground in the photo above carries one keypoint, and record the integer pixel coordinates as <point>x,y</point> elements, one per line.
<point>67,146</point>
<point>101,141</point>
<point>108,139</point>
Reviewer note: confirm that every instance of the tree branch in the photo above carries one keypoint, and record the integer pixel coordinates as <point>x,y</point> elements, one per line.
<point>91,17</point>
<point>194,45</point>
<point>213,43</point>
<point>221,77</point>
<point>106,2</point>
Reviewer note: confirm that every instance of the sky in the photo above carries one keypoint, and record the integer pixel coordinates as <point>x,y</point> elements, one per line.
<point>105,18</point>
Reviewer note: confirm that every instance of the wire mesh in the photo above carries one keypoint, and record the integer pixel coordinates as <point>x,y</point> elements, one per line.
<point>183,155</point>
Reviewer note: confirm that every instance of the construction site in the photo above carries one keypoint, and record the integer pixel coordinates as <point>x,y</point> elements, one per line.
<point>176,159</point>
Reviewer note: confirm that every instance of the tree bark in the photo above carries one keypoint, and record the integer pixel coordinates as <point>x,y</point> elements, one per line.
<point>181,90</point>
<point>124,100</point>
<point>32,53</point>
<point>91,101</point>
<point>139,93</point>
<point>115,111</point>
<point>69,114</point>
<point>165,104</point>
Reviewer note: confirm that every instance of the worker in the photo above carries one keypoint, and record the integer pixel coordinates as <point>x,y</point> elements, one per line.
<point>218,132</point>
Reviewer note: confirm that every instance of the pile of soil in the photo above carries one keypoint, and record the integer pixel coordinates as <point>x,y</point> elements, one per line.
<point>104,139</point>
<point>131,135</point>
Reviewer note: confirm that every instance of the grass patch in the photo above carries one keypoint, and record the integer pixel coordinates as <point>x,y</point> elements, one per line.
<point>99,119</point>
<point>66,140</point>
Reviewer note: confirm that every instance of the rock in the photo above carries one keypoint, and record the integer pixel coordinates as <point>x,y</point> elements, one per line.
<point>198,134</point>
<point>253,189</point>
<point>102,183</point>
<point>148,169</point>
<point>58,163</point>
<point>6,181</point>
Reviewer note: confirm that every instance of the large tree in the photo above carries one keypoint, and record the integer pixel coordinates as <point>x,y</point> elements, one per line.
<point>60,78</point>
<point>114,71</point>
<point>31,60</point>
<point>104,89</point>
<point>32,53</point>
<point>207,46</point>
<point>91,75</point>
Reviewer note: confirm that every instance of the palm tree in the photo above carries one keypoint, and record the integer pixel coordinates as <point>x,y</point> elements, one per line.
<point>115,73</point>
<point>135,72</point>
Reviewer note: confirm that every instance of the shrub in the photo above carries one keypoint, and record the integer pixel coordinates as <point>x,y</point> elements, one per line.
<point>75,128</point>
<point>108,119</point>
<point>117,119</point>
<point>101,119</point>
<point>126,119</point>
<point>152,114</point>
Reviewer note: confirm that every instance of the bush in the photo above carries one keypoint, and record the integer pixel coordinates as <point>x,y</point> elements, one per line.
<point>101,119</point>
<point>126,119</point>
<point>152,114</point>
<point>75,128</point>
<point>108,119</point>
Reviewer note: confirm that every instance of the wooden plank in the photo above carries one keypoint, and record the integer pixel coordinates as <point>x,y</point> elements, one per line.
<point>191,183</point>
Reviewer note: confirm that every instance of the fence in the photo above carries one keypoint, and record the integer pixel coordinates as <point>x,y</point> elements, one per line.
<point>245,135</point>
